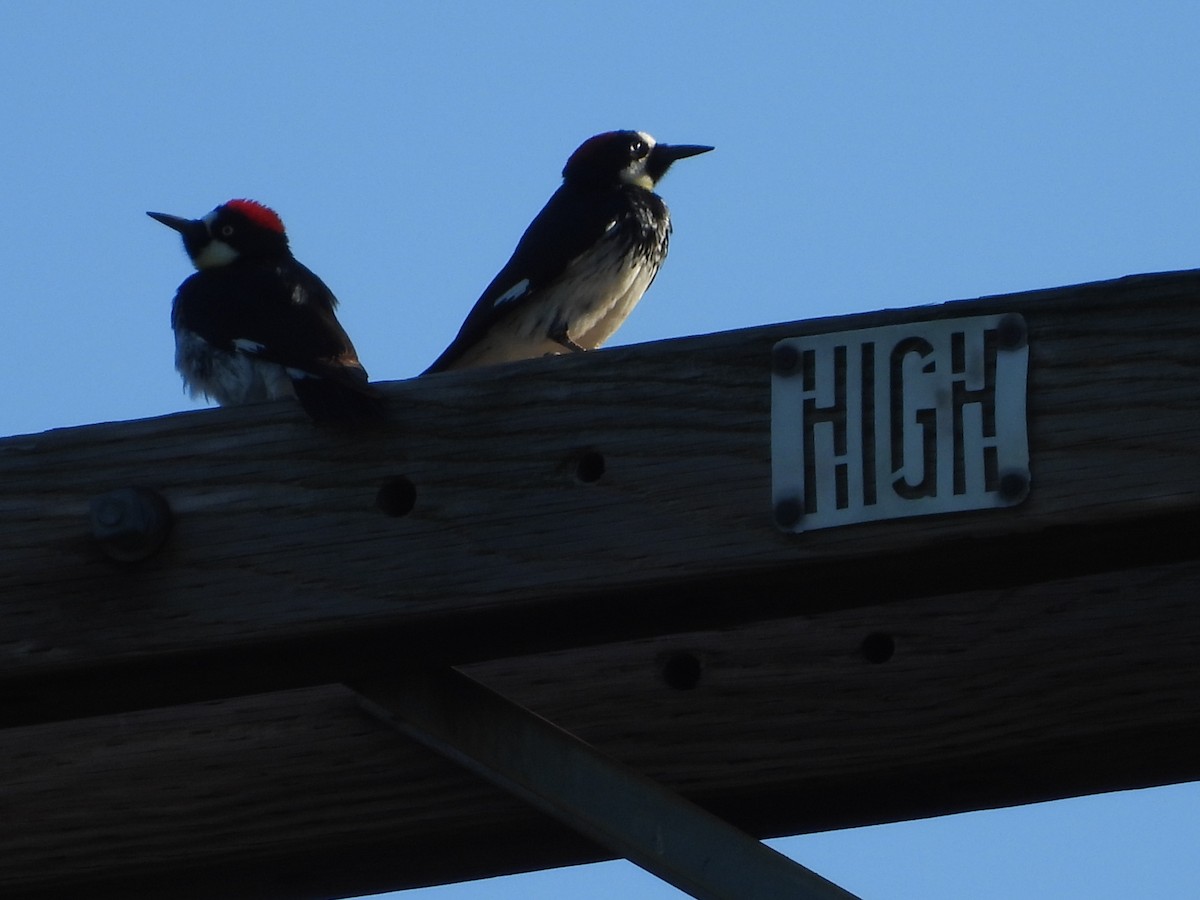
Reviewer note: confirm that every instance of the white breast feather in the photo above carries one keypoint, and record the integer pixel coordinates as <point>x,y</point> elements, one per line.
<point>231,378</point>
<point>595,294</point>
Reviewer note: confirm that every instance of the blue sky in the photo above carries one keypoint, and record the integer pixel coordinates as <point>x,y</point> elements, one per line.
<point>869,155</point>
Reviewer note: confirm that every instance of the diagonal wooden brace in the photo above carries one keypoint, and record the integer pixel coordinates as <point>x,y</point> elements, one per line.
<point>562,775</point>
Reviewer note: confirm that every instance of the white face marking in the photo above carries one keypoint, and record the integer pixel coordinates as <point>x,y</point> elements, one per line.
<point>247,346</point>
<point>214,254</point>
<point>635,172</point>
<point>518,290</point>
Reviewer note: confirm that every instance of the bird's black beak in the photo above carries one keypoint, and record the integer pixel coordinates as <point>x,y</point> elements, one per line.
<point>663,155</point>
<point>193,231</point>
<point>179,223</point>
<point>673,152</point>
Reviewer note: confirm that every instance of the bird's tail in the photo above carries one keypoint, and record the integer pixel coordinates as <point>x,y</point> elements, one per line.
<point>346,402</point>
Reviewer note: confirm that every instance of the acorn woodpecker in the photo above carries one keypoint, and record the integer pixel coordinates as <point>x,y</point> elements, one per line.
<point>254,324</point>
<point>583,263</point>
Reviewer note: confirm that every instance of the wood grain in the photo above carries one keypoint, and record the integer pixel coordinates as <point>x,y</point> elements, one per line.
<point>176,727</point>
<point>278,536</point>
<point>991,698</point>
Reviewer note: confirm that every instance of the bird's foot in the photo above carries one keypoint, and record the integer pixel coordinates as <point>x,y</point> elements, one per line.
<point>559,336</point>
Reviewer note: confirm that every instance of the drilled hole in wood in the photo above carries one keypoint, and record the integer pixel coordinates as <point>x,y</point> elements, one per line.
<point>589,466</point>
<point>878,647</point>
<point>396,497</point>
<point>682,671</point>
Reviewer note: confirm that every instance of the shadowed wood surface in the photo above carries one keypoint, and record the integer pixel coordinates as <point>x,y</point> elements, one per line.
<point>990,698</point>
<point>863,674</point>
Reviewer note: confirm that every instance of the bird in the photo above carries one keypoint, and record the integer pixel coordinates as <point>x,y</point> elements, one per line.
<point>253,323</point>
<point>584,261</point>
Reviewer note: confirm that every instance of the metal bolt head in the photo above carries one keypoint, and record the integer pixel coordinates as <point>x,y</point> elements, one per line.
<point>785,359</point>
<point>1011,332</point>
<point>130,524</point>
<point>788,513</point>
<point>1014,487</point>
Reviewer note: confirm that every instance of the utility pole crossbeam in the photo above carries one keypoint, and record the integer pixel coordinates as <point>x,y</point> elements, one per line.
<point>596,538</point>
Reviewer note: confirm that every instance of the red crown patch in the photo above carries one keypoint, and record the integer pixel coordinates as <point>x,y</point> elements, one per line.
<point>257,213</point>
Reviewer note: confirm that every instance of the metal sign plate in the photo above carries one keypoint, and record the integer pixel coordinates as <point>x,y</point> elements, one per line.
<point>903,420</point>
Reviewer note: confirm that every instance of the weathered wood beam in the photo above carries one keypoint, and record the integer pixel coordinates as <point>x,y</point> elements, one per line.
<point>988,698</point>
<point>555,503</point>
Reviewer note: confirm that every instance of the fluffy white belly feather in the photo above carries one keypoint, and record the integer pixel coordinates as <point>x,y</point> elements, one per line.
<point>229,377</point>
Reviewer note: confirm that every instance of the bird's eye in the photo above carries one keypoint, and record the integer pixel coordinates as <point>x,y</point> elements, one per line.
<point>226,230</point>
<point>638,148</point>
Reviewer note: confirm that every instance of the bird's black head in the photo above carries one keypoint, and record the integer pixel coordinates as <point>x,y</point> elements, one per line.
<point>239,229</point>
<point>624,157</point>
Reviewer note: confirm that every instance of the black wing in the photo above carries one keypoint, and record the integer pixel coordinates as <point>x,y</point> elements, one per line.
<point>281,313</point>
<point>569,223</point>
